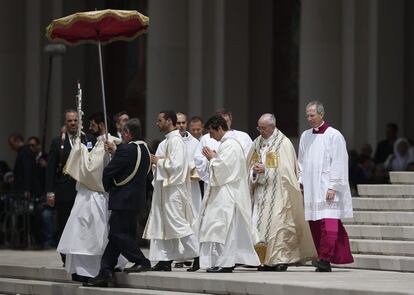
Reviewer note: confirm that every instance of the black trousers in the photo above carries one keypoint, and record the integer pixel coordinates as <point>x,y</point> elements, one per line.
<point>63,209</point>
<point>122,239</point>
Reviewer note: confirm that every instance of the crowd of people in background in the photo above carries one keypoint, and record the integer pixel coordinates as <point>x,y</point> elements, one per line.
<point>391,154</point>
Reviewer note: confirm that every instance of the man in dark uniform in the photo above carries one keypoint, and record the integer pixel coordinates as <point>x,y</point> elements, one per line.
<point>61,188</point>
<point>125,178</point>
<point>24,167</point>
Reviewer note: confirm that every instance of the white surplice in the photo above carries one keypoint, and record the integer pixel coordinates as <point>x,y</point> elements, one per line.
<point>170,222</point>
<point>85,236</point>
<point>226,234</point>
<point>203,165</point>
<point>323,165</point>
<point>192,145</point>
<point>243,138</point>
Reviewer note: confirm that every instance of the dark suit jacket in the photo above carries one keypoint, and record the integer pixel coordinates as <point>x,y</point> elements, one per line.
<point>132,195</point>
<point>62,185</point>
<point>384,149</point>
<point>24,169</point>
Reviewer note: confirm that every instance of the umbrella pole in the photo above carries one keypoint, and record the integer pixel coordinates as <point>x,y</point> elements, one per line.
<point>103,89</point>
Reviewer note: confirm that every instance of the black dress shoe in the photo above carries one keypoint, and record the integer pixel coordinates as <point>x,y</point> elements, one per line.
<point>79,278</point>
<point>322,266</point>
<point>137,268</point>
<point>195,266</point>
<point>100,281</point>
<point>162,266</point>
<point>217,269</point>
<point>179,265</point>
<point>277,267</point>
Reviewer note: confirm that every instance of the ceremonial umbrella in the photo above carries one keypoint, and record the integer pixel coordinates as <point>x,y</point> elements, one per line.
<point>98,27</point>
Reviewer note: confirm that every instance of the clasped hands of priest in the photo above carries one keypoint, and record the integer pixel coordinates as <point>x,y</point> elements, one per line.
<point>209,153</point>
<point>259,168</point>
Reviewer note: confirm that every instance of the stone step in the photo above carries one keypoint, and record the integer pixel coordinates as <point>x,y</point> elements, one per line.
<point>380,232</point>
<point>22,286</point>
<point>383,262</point>
<point>386,190</point>
<point>402,177</point>
<point>386,218</point>
<point>297,280</point>
<point>383,204</point>
<point>382,247</point>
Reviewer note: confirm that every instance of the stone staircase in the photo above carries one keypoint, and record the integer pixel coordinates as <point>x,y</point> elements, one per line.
<point>298,280</point>
<point>382,230</point>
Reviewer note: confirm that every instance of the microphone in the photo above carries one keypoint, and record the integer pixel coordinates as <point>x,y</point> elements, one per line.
<point>55,49</point>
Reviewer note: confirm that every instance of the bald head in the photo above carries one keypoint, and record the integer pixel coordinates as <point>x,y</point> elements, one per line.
<point>268,119</point>
<point>266,125</point>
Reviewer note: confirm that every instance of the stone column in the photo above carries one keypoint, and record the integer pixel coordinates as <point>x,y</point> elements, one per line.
<point>196,43</point>
<point>261,60</point>
<point>34,109</point>
<point>12,74</point>
<point>390,64</point>
<point>167,74</point>
<point>320,72</point>
<point>56,94</point>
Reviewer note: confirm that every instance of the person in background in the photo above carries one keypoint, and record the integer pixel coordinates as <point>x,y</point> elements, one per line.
<point>399,159</point>
<point>119,122</point>
<point>386,146</point>
<point>196,127</point>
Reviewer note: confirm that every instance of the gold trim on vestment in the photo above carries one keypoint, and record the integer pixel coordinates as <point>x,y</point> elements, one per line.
<point>271,160</point>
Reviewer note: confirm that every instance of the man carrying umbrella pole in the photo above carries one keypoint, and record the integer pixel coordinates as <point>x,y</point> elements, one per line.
<point>125,178</point>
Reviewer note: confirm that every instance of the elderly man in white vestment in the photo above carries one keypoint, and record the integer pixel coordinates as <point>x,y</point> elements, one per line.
<point>282,236</point>
<point>323,173</point>
<point>226,234</point>
<point>171,220</point>
<point>85,235</point>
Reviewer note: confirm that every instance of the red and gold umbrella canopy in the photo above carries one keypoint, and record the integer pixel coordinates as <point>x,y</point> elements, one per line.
<point>93,26</point>
<point>98,27</point>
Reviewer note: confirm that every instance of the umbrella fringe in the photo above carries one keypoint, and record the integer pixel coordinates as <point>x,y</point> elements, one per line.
<point>95,16</point>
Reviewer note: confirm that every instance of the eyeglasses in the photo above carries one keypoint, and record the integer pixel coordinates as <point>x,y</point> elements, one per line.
<point>261,128</point>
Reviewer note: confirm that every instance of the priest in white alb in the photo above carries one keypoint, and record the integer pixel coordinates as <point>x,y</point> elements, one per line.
<point>323,174</point>
<point>282,235</point>
<point>226,234</point>
<point>192,144</point>
<point>171,220</point>
<point>85,236</point>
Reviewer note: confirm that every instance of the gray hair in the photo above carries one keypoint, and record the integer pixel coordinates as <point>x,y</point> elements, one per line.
<point>269,117</point>
<point>319,106</point>
<point>134,126</point>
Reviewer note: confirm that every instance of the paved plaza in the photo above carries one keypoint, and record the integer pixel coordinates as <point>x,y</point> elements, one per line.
<point>40,272</point>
